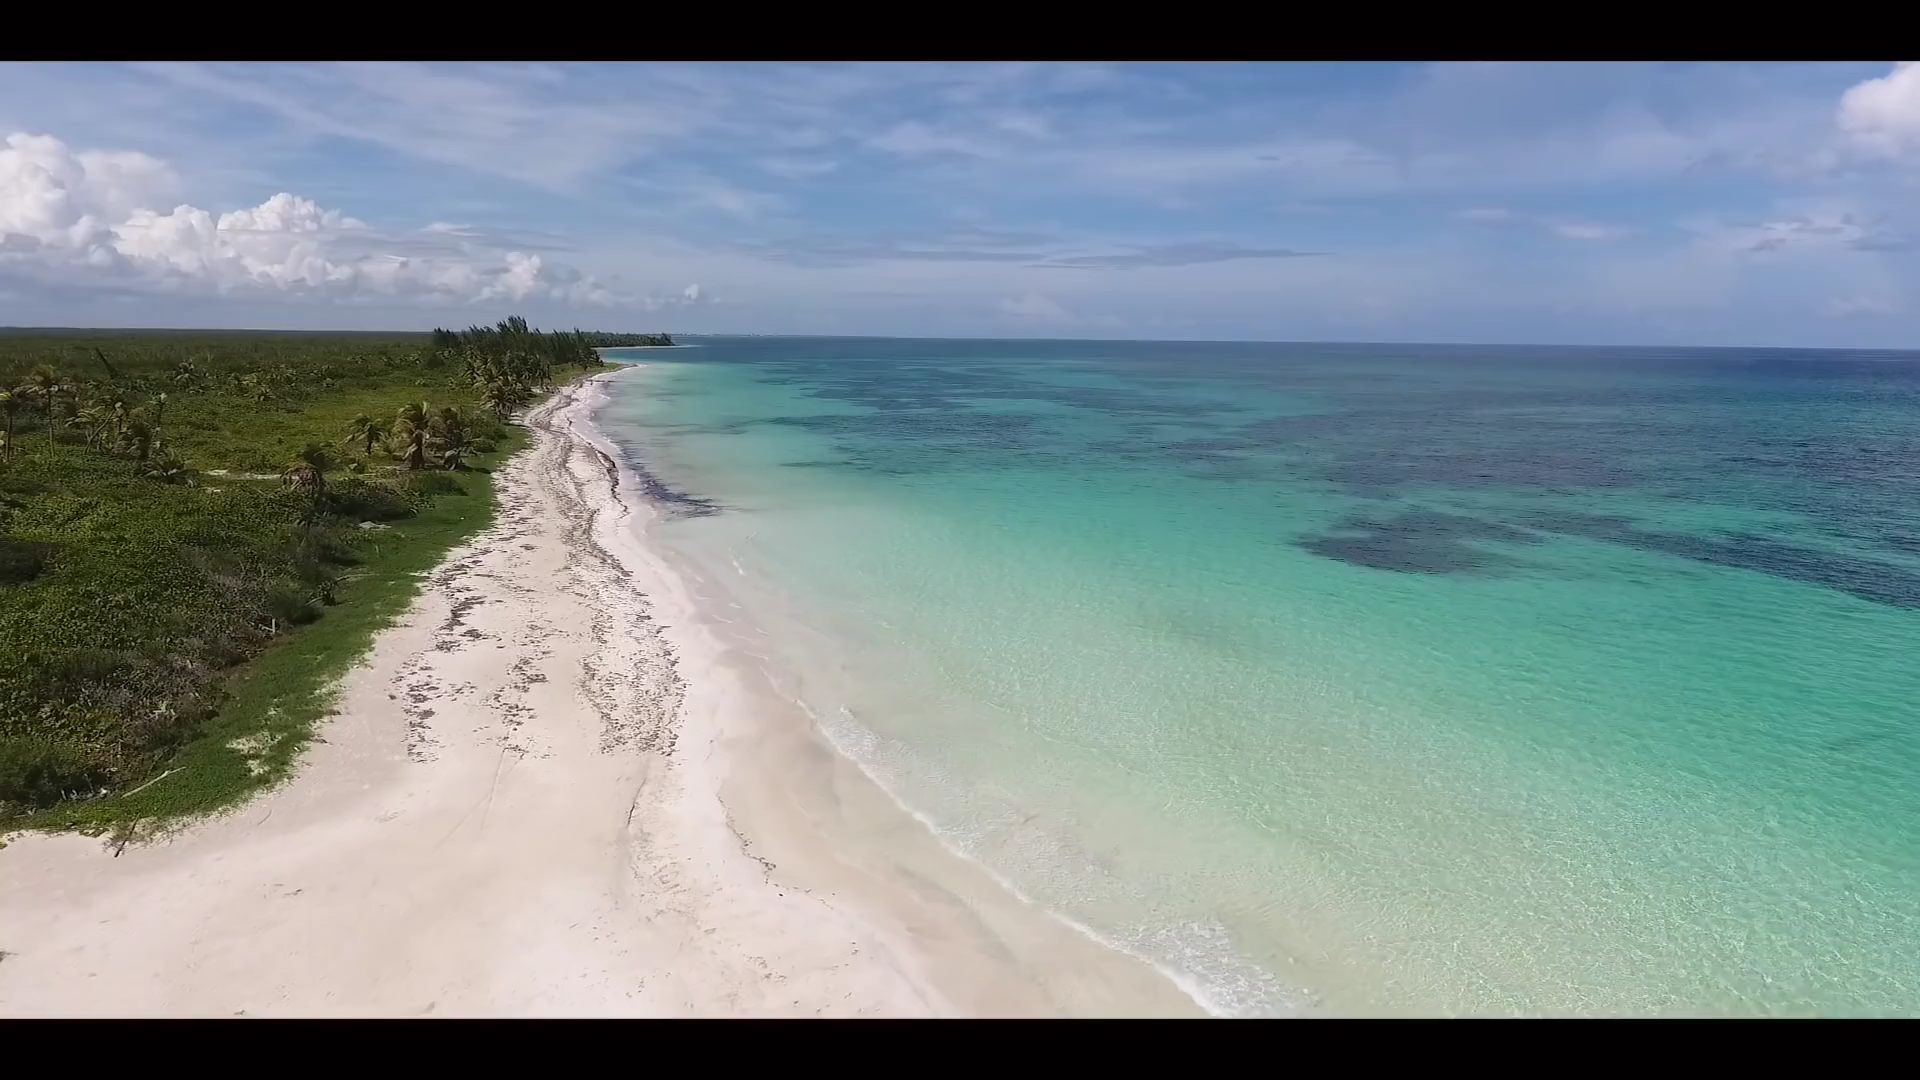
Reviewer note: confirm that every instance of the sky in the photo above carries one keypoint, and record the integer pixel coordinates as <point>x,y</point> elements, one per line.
<point>1580,203</point>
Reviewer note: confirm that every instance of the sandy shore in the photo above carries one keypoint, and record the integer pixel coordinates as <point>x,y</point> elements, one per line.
<point>549,791</point>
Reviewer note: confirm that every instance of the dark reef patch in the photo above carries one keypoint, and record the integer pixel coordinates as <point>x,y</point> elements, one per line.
<point>1433,542</point>
<point>1420,542</point>
<point>1868,579</point>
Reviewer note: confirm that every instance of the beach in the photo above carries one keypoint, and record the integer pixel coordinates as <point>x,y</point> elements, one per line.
<point>550,790</point>
<point>871,677</point>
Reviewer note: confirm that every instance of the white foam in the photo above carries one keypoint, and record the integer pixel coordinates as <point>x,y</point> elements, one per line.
<point>1204,964</point>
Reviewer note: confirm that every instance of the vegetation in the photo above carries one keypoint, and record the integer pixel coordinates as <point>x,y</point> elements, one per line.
<point>199,532</point>
<point>629,341</point>
<point>560,347</point>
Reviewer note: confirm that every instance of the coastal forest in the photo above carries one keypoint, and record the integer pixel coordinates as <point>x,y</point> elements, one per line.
<point>200,531</point>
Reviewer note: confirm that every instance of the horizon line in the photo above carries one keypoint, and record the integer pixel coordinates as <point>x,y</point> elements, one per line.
<point>50,330</point>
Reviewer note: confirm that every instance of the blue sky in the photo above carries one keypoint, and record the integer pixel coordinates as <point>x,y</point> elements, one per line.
<point>1583,203</point>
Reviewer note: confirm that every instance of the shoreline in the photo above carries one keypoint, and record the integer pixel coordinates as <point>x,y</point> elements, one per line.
<point>548,791</point>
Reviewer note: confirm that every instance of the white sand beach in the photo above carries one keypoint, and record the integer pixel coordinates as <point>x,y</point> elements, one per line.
<point>549,791</point>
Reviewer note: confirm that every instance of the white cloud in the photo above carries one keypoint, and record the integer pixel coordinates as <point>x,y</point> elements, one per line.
<point>77,218</point>
<point>1035,307</point>
<point>57,197</point>
<point>692,293</point>
<point>1883,114</point>
<point>1820,229</point>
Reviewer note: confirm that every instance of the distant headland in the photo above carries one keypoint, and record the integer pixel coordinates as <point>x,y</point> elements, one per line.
<point>598,339</point>
<point>630,341</point>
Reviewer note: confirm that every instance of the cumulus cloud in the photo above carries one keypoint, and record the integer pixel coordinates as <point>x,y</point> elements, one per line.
<point>1883,115</point>
<point>85,218</point>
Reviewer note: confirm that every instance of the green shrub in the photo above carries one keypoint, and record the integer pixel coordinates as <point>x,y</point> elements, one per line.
<point>430,483</point>
<point>38,772</point>
<point>359,500</point>
<point>292,605</point>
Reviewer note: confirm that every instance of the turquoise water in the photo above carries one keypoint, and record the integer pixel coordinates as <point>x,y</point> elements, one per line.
<point>1355,679</point>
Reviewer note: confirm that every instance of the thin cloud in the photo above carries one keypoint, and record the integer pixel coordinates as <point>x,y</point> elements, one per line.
<point>1843,231</point>
<point>1584,230</point>
<point>1855,307</point>
<point>1194,254</point>
<point>1499,216</point>
<point>797,168</point>
<point>987,246</point>
<point>1034,307</point>
<point>488,120</point>
<point>831,250</point>
<point>486,236</point>
<point>917,140</point>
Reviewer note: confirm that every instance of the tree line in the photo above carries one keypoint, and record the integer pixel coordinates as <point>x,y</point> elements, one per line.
<point>562,346</point>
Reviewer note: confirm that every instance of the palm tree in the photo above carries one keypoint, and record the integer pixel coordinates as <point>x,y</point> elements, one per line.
<point>68,409</point>
<point>94,418</point>
<point>113,406</point>
<point>10,402</point>
<point>412,428</point>
<point>364,429</point>
<point>500,396</point>
<point>159,404</point>
<point>308,471</point>
<point>47,385</point>
<point>307,475</point>
<point>450,437</point>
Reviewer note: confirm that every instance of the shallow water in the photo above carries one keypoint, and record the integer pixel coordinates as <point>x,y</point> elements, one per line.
<point>1364,679</point>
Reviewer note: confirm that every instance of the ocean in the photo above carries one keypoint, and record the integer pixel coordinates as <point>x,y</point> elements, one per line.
<point>1352,679</point>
